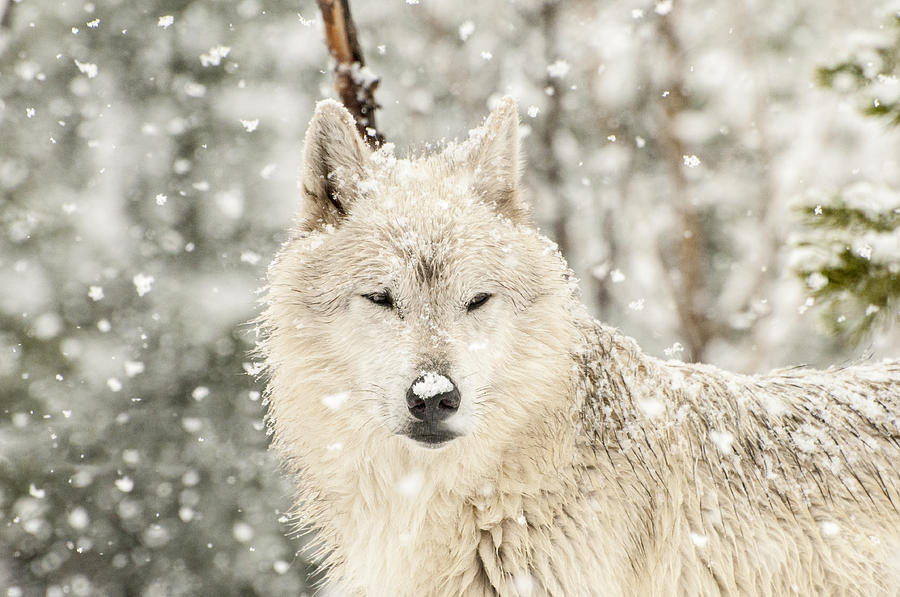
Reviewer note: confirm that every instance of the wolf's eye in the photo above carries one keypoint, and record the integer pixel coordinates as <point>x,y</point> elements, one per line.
<point>477,301</point>
<point>382,299</point>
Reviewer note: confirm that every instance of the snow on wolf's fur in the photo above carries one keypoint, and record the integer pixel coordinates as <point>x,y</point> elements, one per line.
<point>572,463</point>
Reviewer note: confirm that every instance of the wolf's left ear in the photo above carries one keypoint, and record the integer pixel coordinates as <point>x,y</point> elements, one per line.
<point>498,166</point>
<point>334,161</point>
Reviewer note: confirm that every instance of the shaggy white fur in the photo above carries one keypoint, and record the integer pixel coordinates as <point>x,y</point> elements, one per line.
<point>582,466</point>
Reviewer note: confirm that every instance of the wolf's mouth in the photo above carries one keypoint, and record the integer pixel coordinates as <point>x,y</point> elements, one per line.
<point>429,436</point>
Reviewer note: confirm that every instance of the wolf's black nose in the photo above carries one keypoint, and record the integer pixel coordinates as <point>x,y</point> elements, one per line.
<point>432,398</point>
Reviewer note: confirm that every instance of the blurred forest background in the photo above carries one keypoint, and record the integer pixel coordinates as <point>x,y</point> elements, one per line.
<point>723,176</point>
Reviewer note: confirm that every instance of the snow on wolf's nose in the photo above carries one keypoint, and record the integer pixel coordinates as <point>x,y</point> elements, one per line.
<point>432,397</point>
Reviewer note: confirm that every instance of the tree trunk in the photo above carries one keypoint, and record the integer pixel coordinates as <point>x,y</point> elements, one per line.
<point>689,290</point>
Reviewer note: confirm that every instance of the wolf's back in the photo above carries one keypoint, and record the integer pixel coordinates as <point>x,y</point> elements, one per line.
<point>785,483</point>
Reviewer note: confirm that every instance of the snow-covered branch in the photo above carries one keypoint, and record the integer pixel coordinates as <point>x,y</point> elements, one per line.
<point>354,82</point>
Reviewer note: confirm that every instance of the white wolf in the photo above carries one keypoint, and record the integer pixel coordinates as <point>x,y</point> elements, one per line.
<point>458,425</point>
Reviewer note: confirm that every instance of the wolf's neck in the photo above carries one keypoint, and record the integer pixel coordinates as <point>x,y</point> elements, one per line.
<point>491,532</point>
<point>496,540</point>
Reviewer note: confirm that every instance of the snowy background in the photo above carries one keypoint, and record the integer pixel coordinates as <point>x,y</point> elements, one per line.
<point>148,164</point>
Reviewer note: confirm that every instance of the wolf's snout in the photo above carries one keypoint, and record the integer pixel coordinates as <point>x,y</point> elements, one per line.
<point>432,398</point>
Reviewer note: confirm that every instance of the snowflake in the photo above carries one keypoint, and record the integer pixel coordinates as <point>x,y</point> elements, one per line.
<point>466,30</point>
<point>143,283</point>
<point>691,161</point>
<point>214,56</point>
<point>558,69</point>
<point>87,68</point>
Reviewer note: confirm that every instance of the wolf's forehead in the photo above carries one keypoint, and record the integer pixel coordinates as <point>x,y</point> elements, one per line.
<point>427,220</point>
<point>427,253</point>
<point>424,244</point>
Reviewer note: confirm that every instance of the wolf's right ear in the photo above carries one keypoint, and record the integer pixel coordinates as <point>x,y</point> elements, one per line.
<point>334,160</point>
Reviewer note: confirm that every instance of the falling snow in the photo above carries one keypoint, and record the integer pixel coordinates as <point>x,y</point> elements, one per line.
<point>133,368</point>
<point>558,69</point>
<point>411,484</point>
<point>699,540</point>
<point>143,283</point>
<point>335,401</point>
<point>250,125</point>
<point>691,161</point>
<point>214,56</point>
<point>87,68</point>
<point>149,173</point>
<point>722,440</point>
<point>466,30</point>
<point>124,484</point>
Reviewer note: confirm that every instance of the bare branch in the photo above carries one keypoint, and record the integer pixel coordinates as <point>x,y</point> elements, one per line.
<point>354,83</point>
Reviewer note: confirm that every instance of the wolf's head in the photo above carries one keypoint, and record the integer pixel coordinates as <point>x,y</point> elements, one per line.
<point>415,306</point>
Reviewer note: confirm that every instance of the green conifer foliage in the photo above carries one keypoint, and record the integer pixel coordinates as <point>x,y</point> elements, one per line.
<point>848,251</point>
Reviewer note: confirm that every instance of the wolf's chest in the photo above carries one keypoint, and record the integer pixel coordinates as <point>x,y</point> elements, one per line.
<point>491,547</point>
<point>405,549</point>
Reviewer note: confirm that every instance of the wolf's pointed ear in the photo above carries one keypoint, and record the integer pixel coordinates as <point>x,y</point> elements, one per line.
<point>498,166</point>
<point>334,159</point>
